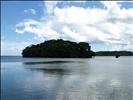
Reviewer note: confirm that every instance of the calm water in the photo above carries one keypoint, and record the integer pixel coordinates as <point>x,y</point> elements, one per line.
<point>99,78</point>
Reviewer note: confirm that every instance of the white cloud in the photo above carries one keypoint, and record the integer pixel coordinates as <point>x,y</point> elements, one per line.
<point>50,5</point>
<point>30,11</point>
<point>112,25</point>
<point>41,29</point>
<point>111,5</point>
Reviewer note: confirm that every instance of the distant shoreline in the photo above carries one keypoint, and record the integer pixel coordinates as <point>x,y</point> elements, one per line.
<point>114,53</point>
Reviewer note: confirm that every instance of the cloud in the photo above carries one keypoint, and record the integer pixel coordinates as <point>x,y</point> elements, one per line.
<point>112,25</point>
<point>41,29</point>
<point>50,5</point>
<point>30,11</point>
<point>111,5</point>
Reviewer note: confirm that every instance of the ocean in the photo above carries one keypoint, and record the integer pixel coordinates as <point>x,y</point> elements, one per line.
<point>98,78</point>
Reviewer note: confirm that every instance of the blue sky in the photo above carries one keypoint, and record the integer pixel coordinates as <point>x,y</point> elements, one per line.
<point>105,25</point>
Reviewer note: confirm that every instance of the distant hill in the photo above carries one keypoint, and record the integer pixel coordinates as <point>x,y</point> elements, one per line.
<point>114,53</point>
<point>59,49</point>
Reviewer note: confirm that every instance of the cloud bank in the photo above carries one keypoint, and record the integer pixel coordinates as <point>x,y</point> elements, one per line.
<point>111,25</point>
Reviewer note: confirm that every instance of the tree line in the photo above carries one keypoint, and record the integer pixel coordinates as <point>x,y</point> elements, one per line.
<point>59,49</point>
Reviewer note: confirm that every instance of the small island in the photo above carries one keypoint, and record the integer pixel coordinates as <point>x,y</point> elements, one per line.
<point>59,49</point>
<point>114,53</point>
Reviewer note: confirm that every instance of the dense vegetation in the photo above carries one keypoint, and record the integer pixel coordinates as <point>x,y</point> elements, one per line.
<point>59,49</point>
<point>114,53</point>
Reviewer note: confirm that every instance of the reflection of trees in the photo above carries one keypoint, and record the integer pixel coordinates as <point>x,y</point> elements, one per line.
<point>61,76</point>
<point>57,67</point>
<point>52,71</point>
<point>47,62</point>
<point>68,81</point>
<point>58,74</point>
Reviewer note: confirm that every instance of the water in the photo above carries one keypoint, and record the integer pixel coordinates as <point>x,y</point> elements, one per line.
<point>99,78</point>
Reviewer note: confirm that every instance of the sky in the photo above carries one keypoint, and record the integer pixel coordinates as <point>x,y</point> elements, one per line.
<point>105,25</point>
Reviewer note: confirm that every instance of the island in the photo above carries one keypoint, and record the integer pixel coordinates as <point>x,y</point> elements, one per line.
<point>114,53</point>
<point>59,49</point>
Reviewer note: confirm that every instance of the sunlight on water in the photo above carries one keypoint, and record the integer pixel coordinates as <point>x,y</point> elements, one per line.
<point>99,78</point>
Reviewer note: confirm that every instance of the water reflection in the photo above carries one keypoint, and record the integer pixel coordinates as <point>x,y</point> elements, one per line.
<point>58,67</point>
<point>52,70</point>
<point>69,80</point>
<point>81,87</point>
<point>80,81</point>
<point>48,62</point>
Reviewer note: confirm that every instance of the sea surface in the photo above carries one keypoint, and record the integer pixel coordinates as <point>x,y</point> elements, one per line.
<point>98,78</point>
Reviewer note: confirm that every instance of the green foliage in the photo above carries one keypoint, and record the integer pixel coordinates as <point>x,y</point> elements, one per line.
<point>59,49</point>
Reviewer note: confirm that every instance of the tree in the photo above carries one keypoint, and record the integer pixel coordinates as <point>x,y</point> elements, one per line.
<point>59,49</point>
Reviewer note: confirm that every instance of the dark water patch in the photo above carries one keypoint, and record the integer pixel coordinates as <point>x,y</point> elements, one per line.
<point>47,62</point>
<point>57,71</point>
